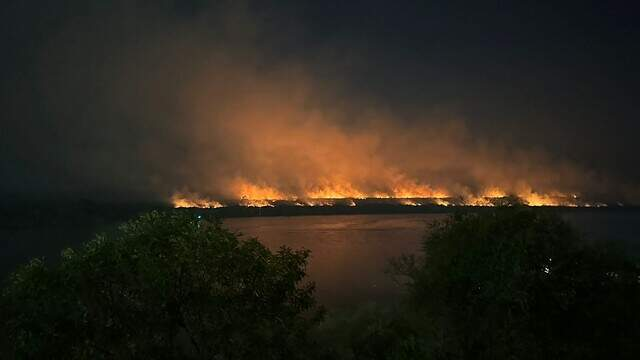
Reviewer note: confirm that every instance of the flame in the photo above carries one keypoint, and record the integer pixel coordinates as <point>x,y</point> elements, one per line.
<point>246,190</point>
<point>535,199</point>
<point>555,198</point>
<point>256,203</point>
<point>403,189</point>
<point>408,194</point>
<point>417,192</point>
<point>441,202</point>
<point>319,202</point>
<point>181,201</point>
<point>409,202</point>
<point>494,192</point>
<point>598,204</point>
<point>480,200</point>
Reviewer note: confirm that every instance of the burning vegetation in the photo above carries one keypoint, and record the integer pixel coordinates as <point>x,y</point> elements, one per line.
<point>492,198</point>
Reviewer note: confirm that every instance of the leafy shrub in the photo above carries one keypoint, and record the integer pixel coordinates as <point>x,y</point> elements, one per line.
<point>505,283</point>
<point>370,332</point>
<point>517,283</point>
<point>167,285</point>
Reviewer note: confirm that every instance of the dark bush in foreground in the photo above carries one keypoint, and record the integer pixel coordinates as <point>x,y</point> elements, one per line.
<point>515,283</point>
<point>507,283</point>
<point>165,286</point>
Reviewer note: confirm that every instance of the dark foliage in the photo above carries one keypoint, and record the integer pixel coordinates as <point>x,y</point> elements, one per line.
<point>505,283</point>
<point>166,286</point>
<point>516,283</point>
<point>372,332</point>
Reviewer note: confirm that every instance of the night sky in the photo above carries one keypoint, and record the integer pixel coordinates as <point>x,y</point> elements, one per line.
<point>138,99</point>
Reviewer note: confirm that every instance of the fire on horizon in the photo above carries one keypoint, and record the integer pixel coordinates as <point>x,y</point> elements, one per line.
<point>491,197</point>
<point>220,103</point>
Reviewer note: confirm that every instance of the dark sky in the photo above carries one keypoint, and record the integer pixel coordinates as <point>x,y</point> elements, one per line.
<point>559,78</point>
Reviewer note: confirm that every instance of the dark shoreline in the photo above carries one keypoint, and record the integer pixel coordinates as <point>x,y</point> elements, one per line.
<point>82,213</point>
<point>377,209</point>
<point>43,229</point>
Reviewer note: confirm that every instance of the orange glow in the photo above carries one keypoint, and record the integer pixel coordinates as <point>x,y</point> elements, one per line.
<point>273,144</point>
<point>256,203</point>
<point>412,190</point>
<point>251,195</point>
<point>246,190</point>
<point>409,202</point>
<point>494,192</point>
<point>552,199</point>
<point>335,192</point>
<point>479,200</point>
<point>180,201</point>
<point>318,202</point>
<point>441,202</point>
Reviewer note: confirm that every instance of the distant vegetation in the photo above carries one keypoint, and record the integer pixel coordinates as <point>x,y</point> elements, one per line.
<point>509,283</point>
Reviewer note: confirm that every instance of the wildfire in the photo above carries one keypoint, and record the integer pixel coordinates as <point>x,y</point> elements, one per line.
<point>409,202</point>
<point>318,202</point>
<point>441,202</point>
<point>256,203</point>
<point>252,195</point>
<point>336,193</point>
<point>480,200</point>
<point>535,199</point>
<point>181,201</point>
<point>254,192</point>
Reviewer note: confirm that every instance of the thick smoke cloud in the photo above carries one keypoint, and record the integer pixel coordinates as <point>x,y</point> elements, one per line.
<point>139,102</point>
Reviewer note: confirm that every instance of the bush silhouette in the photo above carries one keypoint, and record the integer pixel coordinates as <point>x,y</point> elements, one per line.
<point>166,285</point>
<point>517,283</point>
<point>504,283</point>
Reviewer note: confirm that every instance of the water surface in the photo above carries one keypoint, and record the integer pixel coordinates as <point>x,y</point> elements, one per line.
<point>349,252</point>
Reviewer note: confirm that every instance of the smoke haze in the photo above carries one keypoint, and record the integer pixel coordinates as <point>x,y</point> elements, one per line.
<point>134,101</point>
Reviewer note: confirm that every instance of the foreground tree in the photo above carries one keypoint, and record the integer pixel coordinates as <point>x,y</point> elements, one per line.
<point>166,285</point>
<point>515,283</point>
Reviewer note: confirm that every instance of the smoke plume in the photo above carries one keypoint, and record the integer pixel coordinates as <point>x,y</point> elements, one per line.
<point>142,103</point>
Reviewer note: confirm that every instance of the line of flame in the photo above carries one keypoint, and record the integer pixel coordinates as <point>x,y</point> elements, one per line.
<point>487,198</point>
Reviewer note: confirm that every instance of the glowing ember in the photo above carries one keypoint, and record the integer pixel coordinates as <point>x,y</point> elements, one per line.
<point>337,192</point>
<point>479,201</point>
<point>319,202</point>
<point>256,203</point>
<point>409,202</point>
<point>553,199</point>
<point>253,192</point>
<point>180,201</point>
<point>441,202</point>
<point>251,195</point>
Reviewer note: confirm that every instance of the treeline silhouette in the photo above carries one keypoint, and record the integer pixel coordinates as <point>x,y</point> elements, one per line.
<point>17,214</point>
<point>506,283</point>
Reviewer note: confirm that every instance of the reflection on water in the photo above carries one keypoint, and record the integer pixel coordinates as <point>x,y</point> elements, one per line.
<point>349,253</point>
